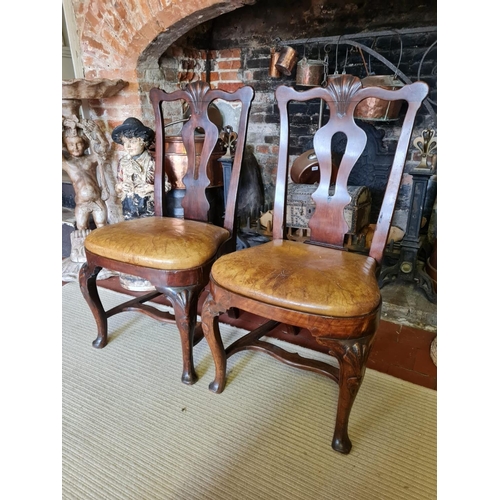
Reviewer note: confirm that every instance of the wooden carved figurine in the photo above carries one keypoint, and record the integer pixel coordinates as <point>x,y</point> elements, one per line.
<point>83,155</point>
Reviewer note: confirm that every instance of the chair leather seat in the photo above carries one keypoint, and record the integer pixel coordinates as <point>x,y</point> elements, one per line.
<point>303,277</point>
<point>158,242</point>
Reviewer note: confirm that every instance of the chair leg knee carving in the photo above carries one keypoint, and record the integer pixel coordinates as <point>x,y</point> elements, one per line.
<point>185,303</point>
<point>210,323</point>
<point>352,356</point>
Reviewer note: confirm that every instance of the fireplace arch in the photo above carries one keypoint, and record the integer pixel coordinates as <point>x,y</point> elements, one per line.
<point>125,40</point>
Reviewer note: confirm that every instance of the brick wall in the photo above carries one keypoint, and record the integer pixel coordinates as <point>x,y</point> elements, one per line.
<point>264,124</point>
<point>181,65</point>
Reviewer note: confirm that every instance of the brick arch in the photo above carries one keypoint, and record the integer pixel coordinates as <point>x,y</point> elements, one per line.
<point>124,40</point>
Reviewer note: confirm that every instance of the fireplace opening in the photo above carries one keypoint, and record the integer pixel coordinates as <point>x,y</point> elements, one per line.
<point>235,49</point>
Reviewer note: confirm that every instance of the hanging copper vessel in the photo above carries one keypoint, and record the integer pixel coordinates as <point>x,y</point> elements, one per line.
<point>309,72</point>
<point>375,109</point>
<point>176,161</point>
<point>287,60</point>
<point>273,70</point>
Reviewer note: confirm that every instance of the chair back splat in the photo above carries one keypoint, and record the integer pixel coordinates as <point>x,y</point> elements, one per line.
<point>173,254</point>
<point>315,285</point>
<point>327,225</point>
<point>198,96</point>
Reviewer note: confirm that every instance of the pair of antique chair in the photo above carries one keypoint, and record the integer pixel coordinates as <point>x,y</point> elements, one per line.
<point>316,285</point>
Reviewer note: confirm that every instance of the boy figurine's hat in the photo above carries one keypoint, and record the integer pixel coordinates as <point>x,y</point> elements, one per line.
<point>132,127</point>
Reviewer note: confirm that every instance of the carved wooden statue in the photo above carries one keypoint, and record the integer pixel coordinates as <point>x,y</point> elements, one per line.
<point>84,152</point>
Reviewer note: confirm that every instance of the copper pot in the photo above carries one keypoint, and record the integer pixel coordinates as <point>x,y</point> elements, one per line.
<point>309,72</point>
<point>286,60</point>
<point>375,109</point>
<point>176,160</point>
<point>273,71</point>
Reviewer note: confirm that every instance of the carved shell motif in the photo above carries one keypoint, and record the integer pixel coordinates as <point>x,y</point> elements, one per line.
<point>342,88</point>
<point>197,91</point>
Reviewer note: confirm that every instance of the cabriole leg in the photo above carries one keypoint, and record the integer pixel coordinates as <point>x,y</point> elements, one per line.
<point>185,304</point>
<point>88,286</point>
<point>210,323</point>
<point>352,356</point>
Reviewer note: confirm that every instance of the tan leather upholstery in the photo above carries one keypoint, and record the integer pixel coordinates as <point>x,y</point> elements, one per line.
<point>307,278</point>
<point>159,242</point>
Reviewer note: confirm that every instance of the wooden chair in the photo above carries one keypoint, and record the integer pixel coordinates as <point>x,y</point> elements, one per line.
<point>315,285</point>
<point>173,254</point>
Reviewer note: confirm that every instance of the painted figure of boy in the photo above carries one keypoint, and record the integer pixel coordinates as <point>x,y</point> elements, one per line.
<point>136,169</point>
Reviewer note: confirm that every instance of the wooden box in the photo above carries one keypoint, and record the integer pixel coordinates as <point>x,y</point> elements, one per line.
<point>300,206</point>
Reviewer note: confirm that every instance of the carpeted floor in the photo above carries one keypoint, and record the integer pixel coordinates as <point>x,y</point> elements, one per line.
<point>132,430</point>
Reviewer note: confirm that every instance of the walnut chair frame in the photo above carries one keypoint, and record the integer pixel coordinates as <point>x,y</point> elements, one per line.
<point>316,285</point>
<point>174,254</point>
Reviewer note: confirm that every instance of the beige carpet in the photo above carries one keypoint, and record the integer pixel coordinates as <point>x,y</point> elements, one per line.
<point>132,430</point>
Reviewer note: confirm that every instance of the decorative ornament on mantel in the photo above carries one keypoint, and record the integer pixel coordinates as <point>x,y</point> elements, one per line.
<point>228,138</point>
<point>80,88</point>
<point>77,89</point>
